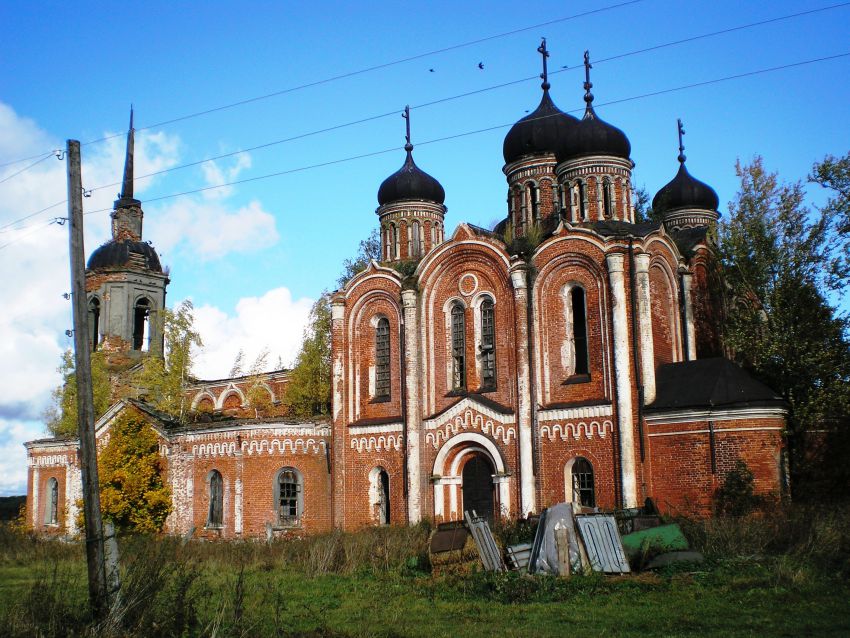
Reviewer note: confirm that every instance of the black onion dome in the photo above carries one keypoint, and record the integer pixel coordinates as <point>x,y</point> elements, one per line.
<point>685,191</point>
<point>538,132</point>
<point>410,182</point>
<point>594,136</point>
<point>116,254</point>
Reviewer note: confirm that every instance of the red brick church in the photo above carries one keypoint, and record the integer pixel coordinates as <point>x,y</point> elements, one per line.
<point>568,354</point>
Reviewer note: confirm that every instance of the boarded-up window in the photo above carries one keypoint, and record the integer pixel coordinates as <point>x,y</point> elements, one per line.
<point>577,303</point>
<point>488,344</point>
<point>215,516</point>
<point>382,358</point>
<point>458,348</point>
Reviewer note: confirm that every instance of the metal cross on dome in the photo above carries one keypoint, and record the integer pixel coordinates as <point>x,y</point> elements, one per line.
<point>544,53</point>
<point>588,96</point>
<point>406,116</point>
<point>681,143</point>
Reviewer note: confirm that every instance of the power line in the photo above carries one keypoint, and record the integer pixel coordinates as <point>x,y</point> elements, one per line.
<point>26,168</point>
<point>454,136</point>
<point>441,100</point>
<point>351,74</point>
<point>38,212</point>
<point>55,220</point>
<point>490,128</point>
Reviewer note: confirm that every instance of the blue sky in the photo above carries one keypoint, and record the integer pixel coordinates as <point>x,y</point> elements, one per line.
<point>254,256</point>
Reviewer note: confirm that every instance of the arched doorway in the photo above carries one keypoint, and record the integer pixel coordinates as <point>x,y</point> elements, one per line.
<point>477,486</point>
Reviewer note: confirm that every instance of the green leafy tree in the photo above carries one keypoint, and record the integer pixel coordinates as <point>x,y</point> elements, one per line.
<point>258,396</point>
<point>833,174</point>
<point>369,249</point>
<point>61,415</point>
<point>308,389</point>
<point>643,206</point>
<point>132,491</point>
<point>779,258</point>
<point>161,380</point>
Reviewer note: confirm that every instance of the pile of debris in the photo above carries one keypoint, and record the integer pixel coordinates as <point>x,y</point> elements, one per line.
<point>570,539</point>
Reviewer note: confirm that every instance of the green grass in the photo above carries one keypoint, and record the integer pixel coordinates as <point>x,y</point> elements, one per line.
<point>376,583</point>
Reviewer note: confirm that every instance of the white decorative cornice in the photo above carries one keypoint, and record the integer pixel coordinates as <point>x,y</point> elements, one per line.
<point>583,412</point>
<point>385,428</point>
<point>465,404</point>
<point>718,414</point>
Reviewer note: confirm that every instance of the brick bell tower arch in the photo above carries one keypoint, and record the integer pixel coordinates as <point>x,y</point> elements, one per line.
<point>470,473</point>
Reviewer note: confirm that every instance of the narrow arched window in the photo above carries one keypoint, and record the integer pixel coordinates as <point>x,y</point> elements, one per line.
<point>433,235</point>
<point>607,199</point>
<point>141,324</point>
<point>579,316</point>
<point>379,495</point>
<point>418,244</point>
<point>582,201</point>
<point>289,497</point>
<point>51,505</point>
<point>534,202</point>
<point>458,348</point>
<point>387,244</point>
<point>410,240</point>
<point>396,242</point>
<point>382,359</point>
<point>488,344</point>
<point>215,513</point>
<point>392,241</point>
<point>584,491</point>
<point>94,322</point>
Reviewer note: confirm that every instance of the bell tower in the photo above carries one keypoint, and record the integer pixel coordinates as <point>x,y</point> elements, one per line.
<point>125,282</point>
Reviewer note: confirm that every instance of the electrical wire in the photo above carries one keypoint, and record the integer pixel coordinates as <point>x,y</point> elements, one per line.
<point>457,135</point>
<point>6,228</point>
<point>32,229</point>
<point>487,129</point>
<point>438,101</point>
<point>26,168</point>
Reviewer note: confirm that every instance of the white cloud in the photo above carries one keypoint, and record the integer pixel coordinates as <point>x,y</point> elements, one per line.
<point>274,321</point>
<point>34,263</point>
<point>13,457</point>
<point>210,229</point>
<point>215,175</point>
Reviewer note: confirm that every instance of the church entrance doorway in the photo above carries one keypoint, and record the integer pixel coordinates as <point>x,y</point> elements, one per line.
<point>477,486</point>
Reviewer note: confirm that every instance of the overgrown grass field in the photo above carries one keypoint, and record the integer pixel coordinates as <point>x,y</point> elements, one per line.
<point>785,574</point>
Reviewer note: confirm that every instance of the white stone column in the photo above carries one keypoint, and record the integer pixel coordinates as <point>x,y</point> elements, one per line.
<point>338,410</point>
<point>647,352</point>
<point>518,272</point>
<point>73,493</point>
<point>690,330</point>
<point>622,370</point>
<point>237,489</point>
<point>413,413</point>
<point>35,490</point>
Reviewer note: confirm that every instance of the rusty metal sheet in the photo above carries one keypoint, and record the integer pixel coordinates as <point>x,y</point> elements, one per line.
<point>602,541</point>
<point>446,540</point>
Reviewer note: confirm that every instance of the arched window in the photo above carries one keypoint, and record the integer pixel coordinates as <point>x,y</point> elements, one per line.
<point>288,497</point>
<point>379,495</point>
<point>607,199</point>
<point>582,201</point>
<point>232,401</point>
<point>392,242</point>
<point>382,358</point>
<point>534,202</point>
<point>215,514</point>
<point>396,242</point>
<point>387,244</point>
<point>579,322</point>
<point>581,477</point>
<point>141,324</point>
<point>488,344</point>
<point>433,235</point>
<point>51,505</point>
<point>94,322</point>
<point>458,348</point>
<point>418,239</point>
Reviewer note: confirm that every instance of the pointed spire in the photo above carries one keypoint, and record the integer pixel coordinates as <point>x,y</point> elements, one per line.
<point>127,186</point>
<point>588,96</point>
<point>544,53</point>
<point>681,143</point>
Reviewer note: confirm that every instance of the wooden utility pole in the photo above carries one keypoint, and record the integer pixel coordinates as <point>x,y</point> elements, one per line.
<point>98,596</point>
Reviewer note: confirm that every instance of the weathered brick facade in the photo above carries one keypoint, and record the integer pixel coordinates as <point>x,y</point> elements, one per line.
<point>553,358</point>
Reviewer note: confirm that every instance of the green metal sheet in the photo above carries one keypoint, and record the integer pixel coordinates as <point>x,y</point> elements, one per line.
<point>665,538</point>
